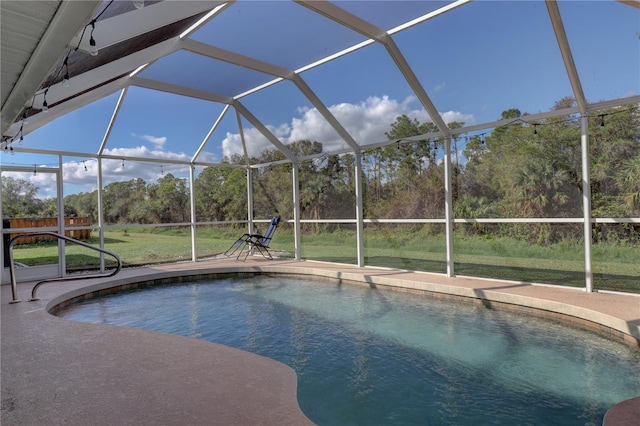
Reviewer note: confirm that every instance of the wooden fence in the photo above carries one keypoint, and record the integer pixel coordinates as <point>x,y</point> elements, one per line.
<point>51,222</point>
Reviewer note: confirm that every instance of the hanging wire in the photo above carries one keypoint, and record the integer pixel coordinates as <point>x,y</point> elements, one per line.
<point>65,63</point>
<point>564,121</point>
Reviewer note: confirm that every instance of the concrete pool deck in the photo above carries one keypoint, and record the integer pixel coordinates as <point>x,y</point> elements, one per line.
<point>56,371</point>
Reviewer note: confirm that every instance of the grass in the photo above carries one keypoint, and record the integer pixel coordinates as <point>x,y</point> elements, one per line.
<point>615,267</point>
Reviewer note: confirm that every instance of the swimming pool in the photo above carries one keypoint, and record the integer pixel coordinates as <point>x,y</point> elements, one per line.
<point>366,356</point>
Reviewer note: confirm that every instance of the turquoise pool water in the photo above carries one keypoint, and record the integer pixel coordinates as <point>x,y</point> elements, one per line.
<point>372,357</point>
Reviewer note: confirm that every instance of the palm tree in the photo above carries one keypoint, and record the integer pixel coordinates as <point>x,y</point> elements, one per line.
<point>540,187</point>
<point>629,183</point>
<point>470,207</point>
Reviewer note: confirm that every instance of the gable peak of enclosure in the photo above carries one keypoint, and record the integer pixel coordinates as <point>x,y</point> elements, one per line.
<point>207,80</point>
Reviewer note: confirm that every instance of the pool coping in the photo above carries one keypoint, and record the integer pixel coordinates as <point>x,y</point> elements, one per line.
<point>49,364</point>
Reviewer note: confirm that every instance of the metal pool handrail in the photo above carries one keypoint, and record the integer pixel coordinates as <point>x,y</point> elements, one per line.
<point>12,272</point>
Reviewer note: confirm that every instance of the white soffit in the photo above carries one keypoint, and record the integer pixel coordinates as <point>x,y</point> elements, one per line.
<point>34,36</point>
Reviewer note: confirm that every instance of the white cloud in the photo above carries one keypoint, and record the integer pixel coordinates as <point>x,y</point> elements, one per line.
<point>158,141</point>
<point>440,87</point>
<point>143,151</point>
<point>232,144</point>
<point>366,122</point>
<point>81,173</point>
<point>450,116</point>
<point>46,182</point>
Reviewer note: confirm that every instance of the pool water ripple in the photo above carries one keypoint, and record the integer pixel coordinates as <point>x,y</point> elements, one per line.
<point>369,357</point>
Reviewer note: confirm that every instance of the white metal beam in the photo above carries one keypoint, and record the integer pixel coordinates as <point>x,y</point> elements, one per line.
<point>633,3</point>
<point>369,30</point>
<point>586,202</point>
<point>234,58</point>
<point>447,8</point>
<point>345,18</point>
<point>529,118</point>
<point>206,18</point>
<point>213,129</point>
<point>295,174</point>
<point>359,208</point>
<point>265,132</point>
<point>249,172</point>
<point>324,111</point>
<point>180,90</point>
<point>448,208</point>
<point>100,214</point>
<point>567,57</point>
<point>242,139</point>
<point>416,86</point>
<point>125,26</point>
<point>112,121</point>
<point>192,209</point>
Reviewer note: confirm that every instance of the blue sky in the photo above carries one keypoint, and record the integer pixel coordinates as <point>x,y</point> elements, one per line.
<point>474,62</point>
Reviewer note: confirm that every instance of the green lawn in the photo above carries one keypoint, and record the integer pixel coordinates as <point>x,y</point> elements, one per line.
<point>134,248</point>
<point>615,268</point>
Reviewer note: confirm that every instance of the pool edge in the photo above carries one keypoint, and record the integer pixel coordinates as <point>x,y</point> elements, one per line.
<point>504,295</point>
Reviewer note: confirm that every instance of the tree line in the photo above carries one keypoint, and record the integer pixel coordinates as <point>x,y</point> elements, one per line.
<point>530,169</point>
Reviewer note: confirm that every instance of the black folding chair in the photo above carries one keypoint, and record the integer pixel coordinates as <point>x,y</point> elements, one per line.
<point>247,243</point>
